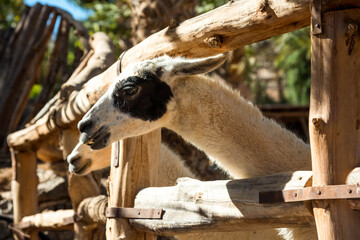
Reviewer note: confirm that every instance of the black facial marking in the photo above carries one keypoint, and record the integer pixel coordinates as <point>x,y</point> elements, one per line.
<point>85,125</point>
<point>101,142</point>
<point>143,97</point>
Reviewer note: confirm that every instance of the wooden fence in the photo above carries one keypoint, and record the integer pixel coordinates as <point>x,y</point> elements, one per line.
<point>334,121</point>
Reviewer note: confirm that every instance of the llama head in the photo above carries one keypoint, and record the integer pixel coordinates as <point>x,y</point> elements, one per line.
<point>83,160</point>
<point>139,101</point>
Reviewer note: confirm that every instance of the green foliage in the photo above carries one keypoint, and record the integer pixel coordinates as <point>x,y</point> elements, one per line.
<point>10,13</point>
<point>288,57</point>
<point>110,18</point>
<point>35,91</point>
<point>257,56</point>
<point>84,2</point>
<point>207,5</point>
<point>293,64</point>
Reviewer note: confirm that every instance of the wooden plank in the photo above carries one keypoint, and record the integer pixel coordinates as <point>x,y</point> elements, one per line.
<point>216,206</point>
<point>24,186</point>
<point>50,220</point>
<point>133,167</point>
<point>334,118</point>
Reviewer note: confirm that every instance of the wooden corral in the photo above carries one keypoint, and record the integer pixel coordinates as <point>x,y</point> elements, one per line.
<point>20,64</point>
<point>333,127</point>
<point>47,122</point>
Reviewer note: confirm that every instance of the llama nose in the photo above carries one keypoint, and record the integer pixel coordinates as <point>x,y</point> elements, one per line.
<point>72,159</point>
<point>85,125</point>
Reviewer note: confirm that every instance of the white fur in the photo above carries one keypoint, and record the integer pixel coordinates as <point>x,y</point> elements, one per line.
<point>210,115</point>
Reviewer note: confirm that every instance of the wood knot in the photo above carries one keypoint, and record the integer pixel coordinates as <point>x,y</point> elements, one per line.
<point>214,41</point>
<point>198,197</point>
<point>173,23</point>
<point>351,30</point>
<point>266,10</point>
<point>318,124</point>
<point>263,5</point>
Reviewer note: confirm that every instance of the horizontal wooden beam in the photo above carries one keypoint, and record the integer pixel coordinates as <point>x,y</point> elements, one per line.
<point>226,28</point>
<point>55,220</point>
<point>195,206</point>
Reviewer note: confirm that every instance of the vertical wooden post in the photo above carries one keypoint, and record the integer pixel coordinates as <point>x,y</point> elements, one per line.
<point>24,186</point>
<point>335,118</point>
<point>81,187</point>
<point>134,165</point>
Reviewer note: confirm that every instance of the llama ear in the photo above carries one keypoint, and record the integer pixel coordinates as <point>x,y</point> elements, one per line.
<point>182,67</point>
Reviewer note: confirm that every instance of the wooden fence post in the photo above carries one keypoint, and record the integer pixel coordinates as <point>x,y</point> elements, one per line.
<point>81,187</point>
<point>24,186</point>
<point>134,165</point>
<point>335,116</point>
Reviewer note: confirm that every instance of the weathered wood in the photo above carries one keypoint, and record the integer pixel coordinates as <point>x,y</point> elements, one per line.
<point>197,198</point>
<point>23,57</point>
<point>5,54</point>
<point>79,188</point>
<point>80,29</point>
<point>58,60</point>
<point>99,58</point>
<point>50,220</point>
<point>134,167</point>
<point>334,118</point>
<point>7,110</point>
<point>196,206</point>
<point>235,24</point>
<point>24,186</point>
<point>92,210</point>
<point>70,111</point>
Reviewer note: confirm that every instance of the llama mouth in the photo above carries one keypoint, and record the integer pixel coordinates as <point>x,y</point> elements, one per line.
<point>98,140</point>
<point>79,169</point>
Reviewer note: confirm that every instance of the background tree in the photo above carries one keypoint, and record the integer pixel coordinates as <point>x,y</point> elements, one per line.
<point>10,13</point>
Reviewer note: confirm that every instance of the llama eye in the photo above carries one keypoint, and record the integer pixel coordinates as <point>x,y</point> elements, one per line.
<point>130,90</point>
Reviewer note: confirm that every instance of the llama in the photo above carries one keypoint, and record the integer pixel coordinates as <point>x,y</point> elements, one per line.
<point>166,92</point>
<point>83,160</point>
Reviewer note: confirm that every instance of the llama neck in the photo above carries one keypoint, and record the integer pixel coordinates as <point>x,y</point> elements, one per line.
<point>233,132</point>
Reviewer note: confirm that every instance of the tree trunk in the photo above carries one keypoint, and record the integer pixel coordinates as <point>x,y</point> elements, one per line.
<point>150,16</point>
